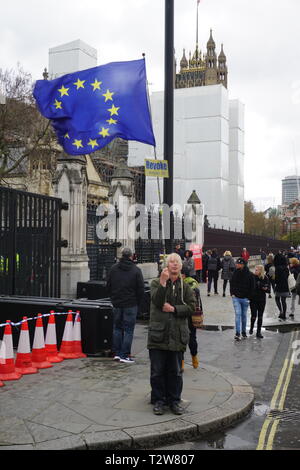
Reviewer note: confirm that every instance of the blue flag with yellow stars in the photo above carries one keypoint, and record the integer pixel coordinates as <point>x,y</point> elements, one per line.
<point>90,108</point>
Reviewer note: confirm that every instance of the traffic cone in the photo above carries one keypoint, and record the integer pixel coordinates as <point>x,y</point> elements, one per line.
<point>67,345</point>
<point>7,363</point>
<point>77,336</point>
<point>39,355</point>
<point>51,342</point>
<point>23,359</point>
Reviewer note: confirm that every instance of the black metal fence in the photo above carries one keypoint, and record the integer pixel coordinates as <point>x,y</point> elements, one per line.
<point>30,244</point>
<point>101,253</point>
<point>235,241</point>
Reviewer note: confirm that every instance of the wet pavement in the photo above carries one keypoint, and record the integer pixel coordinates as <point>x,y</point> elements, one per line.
<point>96,403</point>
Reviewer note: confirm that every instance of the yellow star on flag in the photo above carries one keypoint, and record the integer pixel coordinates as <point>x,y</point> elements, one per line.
<point>111,121</point>
<point>66,136</point>
<point>63,91</point>
<point>108,95</point>
<point>57,104</point>
<point>96,85</point>
<point>77,143</point>
<point>79,83</point>
<point>104,132</point>
<point>93,143</point>
<point>113,110</point>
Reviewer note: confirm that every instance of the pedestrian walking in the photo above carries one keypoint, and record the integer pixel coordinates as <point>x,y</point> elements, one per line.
<point>281,284</point>
<point>295,271</point>
<point>263,257</point>
<point>270,271</point>
<point>245,254</point>
<point>228,267</point>
<point>213,268</point>
<point>241,288</point>
<point>172,302</point>
<point>179,251</point>
<point>193,345</point>
<point>125,285</point>
<point>188,263</point>
<point>205,259</point>
<point>258,299</point>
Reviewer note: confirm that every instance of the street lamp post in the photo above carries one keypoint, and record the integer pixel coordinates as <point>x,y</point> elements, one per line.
<point>169,100</point>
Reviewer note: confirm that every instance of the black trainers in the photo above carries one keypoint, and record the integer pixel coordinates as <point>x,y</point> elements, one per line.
<point>158,408</point>
<point>259,335</point>
<point>244,335</point>
<point>291,316</point>
<point>176,409</point>
<point>237,337</point>
<point>251,331</point>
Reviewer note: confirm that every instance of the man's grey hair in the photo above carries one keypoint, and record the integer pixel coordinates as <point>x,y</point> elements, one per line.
<point>174,256</point>
<point>126,252</point>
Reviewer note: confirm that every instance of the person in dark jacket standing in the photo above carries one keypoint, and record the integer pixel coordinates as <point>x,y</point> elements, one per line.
<point>172,302</point>
<point>241,288</point>
<point>258,299</point>
<point>125,285</point>
<point>228,267</point>
<point>282,291</point>
<point>213,268</point>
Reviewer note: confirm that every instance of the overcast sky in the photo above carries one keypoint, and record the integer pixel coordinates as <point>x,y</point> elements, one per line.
<point>261,41</point>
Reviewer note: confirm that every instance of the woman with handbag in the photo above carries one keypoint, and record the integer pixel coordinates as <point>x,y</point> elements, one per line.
<point>270,271</point>
<point>282,291</point>
<point>295,271</point>
<point>193,345</point>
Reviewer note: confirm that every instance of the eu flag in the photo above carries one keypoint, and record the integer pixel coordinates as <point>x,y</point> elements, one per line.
<point>90,108</point>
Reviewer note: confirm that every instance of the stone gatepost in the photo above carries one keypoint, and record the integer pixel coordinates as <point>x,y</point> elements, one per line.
<point>70,184</point>
<point>122,196</point>
<point>194,212</point>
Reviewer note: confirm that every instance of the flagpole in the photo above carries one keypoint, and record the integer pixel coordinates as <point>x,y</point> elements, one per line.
<point>157,178</point>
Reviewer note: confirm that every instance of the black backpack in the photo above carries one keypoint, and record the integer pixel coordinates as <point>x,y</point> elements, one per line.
<point>212,264</point>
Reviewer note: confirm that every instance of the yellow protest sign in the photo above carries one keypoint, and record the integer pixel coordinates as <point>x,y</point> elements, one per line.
<point>157,168</point>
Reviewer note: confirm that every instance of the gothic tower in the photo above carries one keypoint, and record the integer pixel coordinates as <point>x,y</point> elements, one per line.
<point>203,70</point>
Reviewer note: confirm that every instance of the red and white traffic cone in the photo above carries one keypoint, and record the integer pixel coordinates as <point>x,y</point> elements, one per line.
<point>77,336</point>
<point>39,355</point>
<point>51,341</point>
<point>7,362</point>
<point>23,360</point>
<point>67,345</point>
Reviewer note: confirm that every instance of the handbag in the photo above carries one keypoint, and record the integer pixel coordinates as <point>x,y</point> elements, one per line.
<point>291,282</point>
<point>197,318</point>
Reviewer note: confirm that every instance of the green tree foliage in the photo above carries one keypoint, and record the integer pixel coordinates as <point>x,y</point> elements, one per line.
<point>257,223</point>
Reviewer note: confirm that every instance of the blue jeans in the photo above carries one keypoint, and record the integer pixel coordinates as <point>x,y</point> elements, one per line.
<point>124,323</point>
<point>240,308</point>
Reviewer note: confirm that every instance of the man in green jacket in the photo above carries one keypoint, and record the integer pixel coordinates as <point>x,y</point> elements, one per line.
<point>172,302</point>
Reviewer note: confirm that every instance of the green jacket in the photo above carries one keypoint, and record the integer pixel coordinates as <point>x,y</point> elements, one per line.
<point>169,331</point>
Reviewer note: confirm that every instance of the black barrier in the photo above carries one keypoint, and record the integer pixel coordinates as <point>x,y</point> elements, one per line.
<point>96,319</point>
<point>92,290</point>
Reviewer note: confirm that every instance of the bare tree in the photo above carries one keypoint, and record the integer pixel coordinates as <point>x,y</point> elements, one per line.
<point>23,131</point>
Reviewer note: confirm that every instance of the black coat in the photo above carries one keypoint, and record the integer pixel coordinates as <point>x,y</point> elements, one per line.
<point>281,279</point>
<point>242,283</point>
<point>125,284</point>
<point>261,288</point>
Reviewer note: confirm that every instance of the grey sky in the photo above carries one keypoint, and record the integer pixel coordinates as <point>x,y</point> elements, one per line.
<point>261,41</point>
